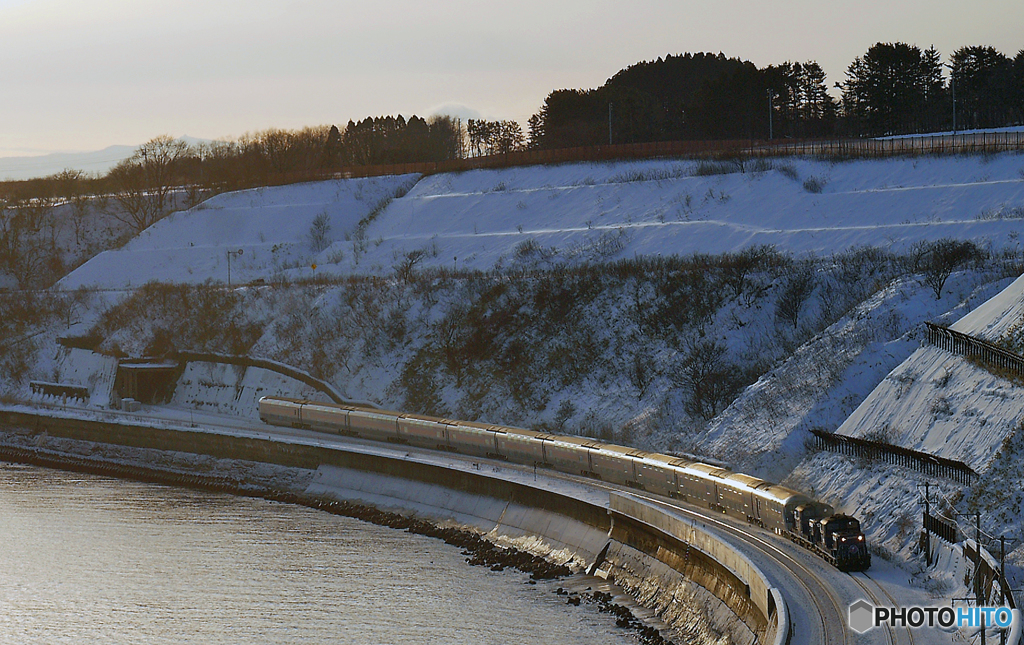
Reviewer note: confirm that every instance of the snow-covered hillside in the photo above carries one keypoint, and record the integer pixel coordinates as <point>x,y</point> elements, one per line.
<point>765,430</point>
<point>273,227</point>
<point>574,213</point>
<point>807,327</point>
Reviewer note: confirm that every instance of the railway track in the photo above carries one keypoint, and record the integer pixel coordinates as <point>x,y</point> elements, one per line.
<point>796,572</point>
<point>873,596</point>
<point>829,608</point>
<point>826,623</point>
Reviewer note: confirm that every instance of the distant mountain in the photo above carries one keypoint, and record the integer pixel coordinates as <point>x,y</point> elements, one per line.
<point>97,162</point>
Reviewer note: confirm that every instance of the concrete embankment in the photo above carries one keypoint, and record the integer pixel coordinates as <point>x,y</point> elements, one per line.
<point>695,582</point>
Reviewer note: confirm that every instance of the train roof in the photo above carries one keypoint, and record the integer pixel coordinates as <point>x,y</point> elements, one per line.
<point>740,481</point>
<point>748,481</point>
<point>783,495</point>
<point>370,412</point>
<point>585,442</point>
<point>281,399</point>
<point>702,470</point>
<point>666,460</point>
<point>620,450</point>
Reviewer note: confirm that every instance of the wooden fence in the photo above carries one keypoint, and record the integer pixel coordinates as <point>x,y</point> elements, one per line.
<point>986,576</point>
<point>941,527</point>
<point>972,143</point>
<point>958,471</point>
<point>60,390</point>
<point>970,347</point>
<point>988,143</point>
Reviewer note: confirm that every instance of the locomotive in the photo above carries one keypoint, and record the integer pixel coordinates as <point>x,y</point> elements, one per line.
<point>836,538</point>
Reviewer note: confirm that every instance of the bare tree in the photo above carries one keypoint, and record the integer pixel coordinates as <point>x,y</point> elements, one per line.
<point>21,251</point>
<point>319,232</point>
<point>70,187</point>
<point>711,381</point>
<point>938,260</point>
<point>495,137</point>
<point>798,288</point>
<point>641,369</point>
<point>144,183</point>
<point>404,270</point>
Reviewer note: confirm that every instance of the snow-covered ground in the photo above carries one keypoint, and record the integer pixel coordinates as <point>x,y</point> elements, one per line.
<point>576,212</point>
<point>270,226</point>
<point>867,374</point>
<point>765,430</point>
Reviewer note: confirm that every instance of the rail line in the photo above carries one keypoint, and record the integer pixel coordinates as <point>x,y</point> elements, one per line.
<point>829,626</point>
<point>822,590</point>
<point>832,631</point>
<point>889,631</point>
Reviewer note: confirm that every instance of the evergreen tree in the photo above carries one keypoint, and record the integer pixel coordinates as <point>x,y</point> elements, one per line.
<point>1017,88</point>
<point>984,80</point>
<point>895,88</point>
<point>332,148</point>
<point>690,96</point>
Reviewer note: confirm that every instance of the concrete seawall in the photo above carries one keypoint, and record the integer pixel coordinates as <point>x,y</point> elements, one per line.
<point>692,579</point>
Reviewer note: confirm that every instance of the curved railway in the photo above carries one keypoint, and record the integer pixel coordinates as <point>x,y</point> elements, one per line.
<point>907,634</point>
<point>817,611</point>
<point>815,592</point>
<point>824,624</point>
<point>836,538</point>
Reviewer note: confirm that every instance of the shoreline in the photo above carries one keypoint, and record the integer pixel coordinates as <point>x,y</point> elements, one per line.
<point>699,588</point>
<point>477,550</point>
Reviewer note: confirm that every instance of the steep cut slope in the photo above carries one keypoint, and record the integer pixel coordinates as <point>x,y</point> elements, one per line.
<point>569,214</point>
<point>275,228</point>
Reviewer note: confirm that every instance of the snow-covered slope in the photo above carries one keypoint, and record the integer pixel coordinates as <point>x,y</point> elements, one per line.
<point>993,319</point>
<point>271,226</point>
<point>942,404</point>
<point>578,212</point>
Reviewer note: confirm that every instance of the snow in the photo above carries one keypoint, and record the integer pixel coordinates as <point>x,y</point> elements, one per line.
<point>95,371</point>
<point>583,212</point>
<point>271,227</point>
<point>938,403</point>
<point>967,133</point>
<point>992,320</point>
<point>235,390</point>
<point>867,375</point>
<point>763,432</point>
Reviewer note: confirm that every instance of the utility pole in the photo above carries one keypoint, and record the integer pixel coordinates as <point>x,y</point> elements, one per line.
<point>230,255</point>
<point>977,570</point>
<point>924,523</point>
<point>1002,581</point>
<point>771,133</point>
<point>1003,585</point>
<point>610,122</point>
<point>977,557</point>
<point>977,566</point>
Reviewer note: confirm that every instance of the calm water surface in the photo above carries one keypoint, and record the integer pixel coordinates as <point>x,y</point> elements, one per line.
<point>87,559</point>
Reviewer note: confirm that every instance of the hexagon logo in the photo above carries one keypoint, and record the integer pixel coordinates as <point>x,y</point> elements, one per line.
<point>862,615</point>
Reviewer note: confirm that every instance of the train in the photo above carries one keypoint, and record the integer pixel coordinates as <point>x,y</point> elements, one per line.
<point>835,537</point>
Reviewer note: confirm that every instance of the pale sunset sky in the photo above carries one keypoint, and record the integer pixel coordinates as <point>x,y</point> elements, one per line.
<point>79,75</point>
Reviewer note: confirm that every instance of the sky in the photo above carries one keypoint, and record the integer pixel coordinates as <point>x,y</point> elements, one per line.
<point>80,75</point>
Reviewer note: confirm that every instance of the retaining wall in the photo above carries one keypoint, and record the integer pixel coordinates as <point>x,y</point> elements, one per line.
<point>665,561</point>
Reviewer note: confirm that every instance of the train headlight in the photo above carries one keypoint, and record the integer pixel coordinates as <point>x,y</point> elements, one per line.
<point>860,538</point>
